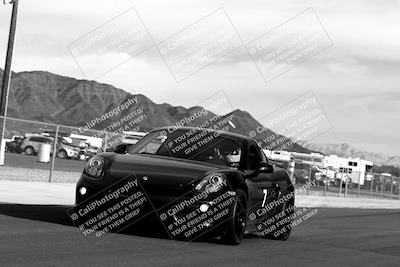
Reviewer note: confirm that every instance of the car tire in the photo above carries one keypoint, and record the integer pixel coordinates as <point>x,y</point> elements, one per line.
<point>29,150</point>
<point>236,224</point>
<point>285,229</point>
<point>62,154</point>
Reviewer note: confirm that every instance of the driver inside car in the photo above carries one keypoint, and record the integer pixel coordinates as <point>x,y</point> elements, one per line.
<point>232,157</point>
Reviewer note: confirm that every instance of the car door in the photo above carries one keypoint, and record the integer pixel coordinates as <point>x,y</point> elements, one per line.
<point>263,187</point>
<point>35,142</point>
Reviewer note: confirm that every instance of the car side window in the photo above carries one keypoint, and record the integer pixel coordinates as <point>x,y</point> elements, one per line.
<point>34,139</point>
<point>263,156</point>
<point>254,158</point>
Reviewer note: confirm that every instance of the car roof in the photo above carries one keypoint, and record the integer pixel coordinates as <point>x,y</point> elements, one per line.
<point>38,135</point>
<point>187,128</point>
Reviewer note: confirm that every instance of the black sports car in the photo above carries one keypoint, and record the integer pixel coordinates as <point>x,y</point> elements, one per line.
<point>196,181</point>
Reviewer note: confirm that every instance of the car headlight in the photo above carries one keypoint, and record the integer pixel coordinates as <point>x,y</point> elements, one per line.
<point>211,183</point>
<point>95,166</point>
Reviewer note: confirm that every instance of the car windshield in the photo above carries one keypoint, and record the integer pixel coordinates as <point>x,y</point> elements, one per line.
<point>194,144</point>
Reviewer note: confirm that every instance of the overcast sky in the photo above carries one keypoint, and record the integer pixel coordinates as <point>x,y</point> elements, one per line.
<point>356,80</point>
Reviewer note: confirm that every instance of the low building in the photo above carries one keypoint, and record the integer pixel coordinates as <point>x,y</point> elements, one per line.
<point>358,170</point>
<point>332,166</point>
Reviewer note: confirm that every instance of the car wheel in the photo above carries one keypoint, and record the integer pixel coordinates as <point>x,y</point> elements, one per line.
<point>283,232</point>
<point>236,224</point>
<point>62,154</point>
<point>29,150</point>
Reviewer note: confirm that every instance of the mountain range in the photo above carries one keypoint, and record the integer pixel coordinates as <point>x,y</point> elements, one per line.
<point>51,98</point>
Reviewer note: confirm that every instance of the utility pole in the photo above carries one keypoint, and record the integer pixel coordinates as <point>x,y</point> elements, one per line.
<point>7,76</point>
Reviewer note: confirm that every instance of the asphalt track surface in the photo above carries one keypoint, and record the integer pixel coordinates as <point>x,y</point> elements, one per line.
<point>35,235</point>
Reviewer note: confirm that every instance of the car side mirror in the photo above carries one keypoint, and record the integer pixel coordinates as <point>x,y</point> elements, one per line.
<point>121,149</point>
<point>265,167</point>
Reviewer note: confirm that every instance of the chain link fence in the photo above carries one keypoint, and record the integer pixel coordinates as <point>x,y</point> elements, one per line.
<point>345,183</point>
<point>30,153</point>
<point>74,147</point>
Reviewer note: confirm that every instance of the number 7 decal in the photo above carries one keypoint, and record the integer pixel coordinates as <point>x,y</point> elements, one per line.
<point>265,192</point>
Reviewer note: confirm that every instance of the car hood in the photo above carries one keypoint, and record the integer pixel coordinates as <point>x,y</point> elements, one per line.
<point>157,173</point>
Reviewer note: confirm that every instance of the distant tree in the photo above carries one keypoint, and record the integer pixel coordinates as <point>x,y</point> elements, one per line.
<point>395,171</point>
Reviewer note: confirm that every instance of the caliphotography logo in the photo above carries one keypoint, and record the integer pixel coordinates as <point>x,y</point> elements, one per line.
<point>199,45</point>
<point>289,44</point>
<point>302,119</point>
<point>110,44</point>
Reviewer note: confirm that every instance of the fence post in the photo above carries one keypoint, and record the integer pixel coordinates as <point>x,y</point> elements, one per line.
<point>292,165</point>
<point>372,183</point>
<point>309,180</point>
<point>341,184</point>
<point>105,142</point>
<point>55,143</point>
<point>391,187</point>
<point>345,187</point>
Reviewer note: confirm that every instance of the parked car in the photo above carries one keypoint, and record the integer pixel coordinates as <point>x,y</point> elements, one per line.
<point>227,178</point>
<point>14,145</point>
<point>87,152</point>
<point>67,149</point>
<point>30,145</point>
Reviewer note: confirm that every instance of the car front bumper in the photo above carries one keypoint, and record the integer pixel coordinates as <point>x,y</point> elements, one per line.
<point>161,203</point>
